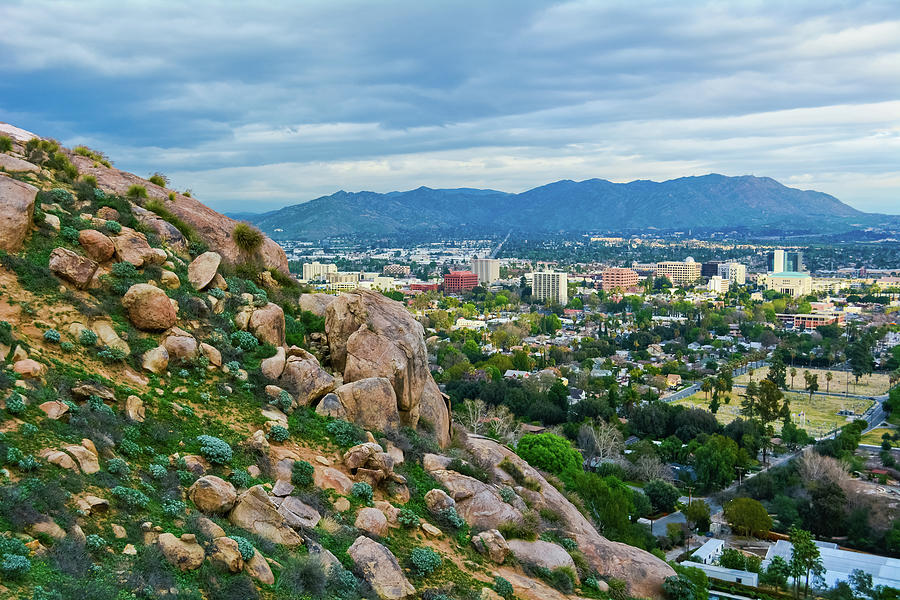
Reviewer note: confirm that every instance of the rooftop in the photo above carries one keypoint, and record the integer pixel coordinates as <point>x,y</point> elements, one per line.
<point>840,563</point>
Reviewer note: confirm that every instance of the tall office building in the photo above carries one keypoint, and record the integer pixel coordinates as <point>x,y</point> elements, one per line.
<point>734,272</point>
<point>619,278</point>
<point>316,271</point>
<point>779,261</point>
<point>679,273</point>
<point>775,261</point>
<point>460,281</point>
<point>710,268</point>
<point>487,269</point>
<point>793,262</point>
<point>549,285</point>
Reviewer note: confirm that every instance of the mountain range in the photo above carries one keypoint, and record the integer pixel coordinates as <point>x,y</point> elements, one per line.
<point>708,202</point>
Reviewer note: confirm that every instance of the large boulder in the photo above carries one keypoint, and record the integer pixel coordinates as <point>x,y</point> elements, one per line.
<point>267,324</point>
<point>74,268</point>
<point>212,494</point>
<point>149,308</point>
<point>224,553</point>
<point>131,246</point>
<point>155,360</point>
<point>184,553</point>
<point>316,303</point>
<point>372,521</point>
<point>255,512</point>
<point>96,245</point>
<point>370,403</point>
<point>492,544</point>
<point>304,378</point>
<point>380,569</point>
<point>478,503</point>
<point>213,228</point>
<point>273,367</point>
<point>540,553</point>
<point>203,268</point>
<point>13,164</point>
<point>167,232</point>
<point>370,335</point>
<point>434,407</point>
<point>16,211</point>
<point>180,344</point>
<point>643,572</point>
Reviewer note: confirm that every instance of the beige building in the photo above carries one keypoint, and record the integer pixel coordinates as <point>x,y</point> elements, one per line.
<point>619,278</point>
<point>550,285</point>
<point>316,271</point>
<point>680,273</point>
<point>718,284</point>
<point>790,283</point>
<point>487,269</point>
<point>734,272</point>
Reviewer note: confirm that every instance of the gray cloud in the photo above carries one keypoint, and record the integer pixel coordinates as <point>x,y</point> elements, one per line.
<point>259,106</point>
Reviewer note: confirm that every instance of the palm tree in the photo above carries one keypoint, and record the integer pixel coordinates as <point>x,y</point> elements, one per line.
<point>828,377</point>
<point>750,373</point>
<point>793,374</point>
<point>706,387</point>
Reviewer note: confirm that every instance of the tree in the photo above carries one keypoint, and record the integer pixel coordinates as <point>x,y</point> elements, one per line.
<point>777,573</point>
<point>707,386</point>
<point>768,409</point>
<point>697,515</point>
<point>828,377</point>
<point>777,371</point>
<point>861,360</point>
<point>600,440</point>
<point>812,383</point>
<point>608,499</point>
<point>677,587</point>
<point>662,495</point>
<point>551,453</point>
<point>805,558</point>
<point>793,374</point>
<point>715,461</point>
<point>472,416</point>
<point>733,559</point>
<point>747,516</point>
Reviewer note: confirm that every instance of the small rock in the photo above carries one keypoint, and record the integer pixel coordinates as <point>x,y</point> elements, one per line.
<point>184,553</point>
<point>130,550</point>
<point>77,270</point>
<point>155,360</point>
<point>96,245</point>
<point>209,529</point>
<point>118,531</point>
<point>341,505</point>
<point>225,554</point>
<point>282,488</point>
<point>323,461</point>
<point>134,408</point>
<point>437,501</point>
<point>29,368</point>
<point>54,409</point>
<point>203,268</point>
<point>212,494</point>
<point>373,521</point>
<point>259,569</point>
<point>431,531</point>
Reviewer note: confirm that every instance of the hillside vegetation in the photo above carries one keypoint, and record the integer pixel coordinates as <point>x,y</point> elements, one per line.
<point>180,421</point>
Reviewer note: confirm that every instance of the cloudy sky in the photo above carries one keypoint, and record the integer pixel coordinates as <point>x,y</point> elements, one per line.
<point>255,107</point>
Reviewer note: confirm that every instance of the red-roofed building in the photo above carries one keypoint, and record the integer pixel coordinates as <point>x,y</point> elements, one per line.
<point>424,287</point>
<point>460,281</point>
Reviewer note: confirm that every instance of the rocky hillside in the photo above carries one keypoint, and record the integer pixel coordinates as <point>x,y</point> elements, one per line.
<point>180,421</point>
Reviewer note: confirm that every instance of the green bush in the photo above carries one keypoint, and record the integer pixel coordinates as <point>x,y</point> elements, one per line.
<point>29,429</point>
<point>111,355</point>
<point>424,561</point>
<point>172,507</point>
<point>279,433</point>
<point>618,589</point>
<point>518,475</point>
<point>408,518</point>
<point>345,434</point>
<point>66,346</point>
<point>15,404</point>
<point>158,179</point>
<point>52,336</point>
<point>14,566</point>
<point>302,473</point>
<point>157,471</point>
<point>130,498</point>
<point>507,494</point>
<point>662,495</point>
<point>113,227</point>
<point>512,530</point>
<point>118,466</point>
<point>215,450</point>
<point>94,542</point>
<point>244,340</point>
<point>87,338</point>
<point>136,191</point>
<point>468,469</point>
<point>69,234</point>
<point>551,453</point>
<point>362,490</point>
<point>241,479</point>
<point>284,401</point>
<point>244,547</point>
<point>5,143</point>
<point>503,587</point>
<point>451,516</point>
<point>247,238</point>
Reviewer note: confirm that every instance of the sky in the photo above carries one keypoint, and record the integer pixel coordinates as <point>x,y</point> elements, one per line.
<point>256,105</point>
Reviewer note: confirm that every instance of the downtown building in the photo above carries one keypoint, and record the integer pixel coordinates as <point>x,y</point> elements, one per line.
<point>316,271</point>
<point>550,285</point>
<point>460,281</point>
<point>487,269</point>
<point>680,273</point>
<point>617,278</point>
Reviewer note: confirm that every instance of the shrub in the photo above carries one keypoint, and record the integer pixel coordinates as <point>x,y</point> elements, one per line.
<point>618,589</point>
<point>128,447</point>
<point>466,468</point>
<point>69,234</point>
<point>158,179</point>
<point>362,490</point>
<point>247,238</point>
<point>66,346</point>
<point>15,566</point>
<point>136,191</point>
<point>94,542</point>
<point>118,466</point>
<point>302,473</point>
<point>345,434</point>
<point>507,494</point>
<point>11,545</point>
<point>284,401</point>
<point>244,340</point>
<point>451,516</point>
<point>29,429</point>
<point>503,587</point>
<point>173,508</point>
<point>424,561</point>
<point>517,530</point>
<point>279,433</point>
<point>52,336</point>
<point>244,547</point>
<point>157,471</point>
<point>563,579</point>
<point>130,498</point>
<point>15,404</point>
<point>215,450</point>
<point>303,576</point>
<point>408,518</point>
<point>111,355</point>
<point>5,143</point>
<point>551,453</point>
<point>241,479</point>
<point>518,475</point>
<point>87,337</point>
<point>113,227</point>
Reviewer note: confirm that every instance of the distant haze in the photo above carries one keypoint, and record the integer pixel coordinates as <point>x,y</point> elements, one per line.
<point>255,106</point>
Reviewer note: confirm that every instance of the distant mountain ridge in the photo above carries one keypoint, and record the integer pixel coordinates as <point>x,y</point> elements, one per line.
<point>705,202</point>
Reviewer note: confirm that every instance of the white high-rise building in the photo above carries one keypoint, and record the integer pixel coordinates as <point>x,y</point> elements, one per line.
<point>734,272</point>
<point>487,269</point>
<point>550,285</point>
<point>718,284</point>
<point>775,261</point>
<point>316,271</point>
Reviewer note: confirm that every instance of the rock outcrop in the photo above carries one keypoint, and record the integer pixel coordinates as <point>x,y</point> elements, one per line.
<point>16,211</point>
<point>643,572</point>
<point>203,268</point>
<point>316,303</point>
<point>370,403</point>
<point>213,228</point>
<point>212,494</point>
<point>149,308</point>
<point>184,553</point>
<point>96,245</point>
<point>380,569</point>
<point>304,378</point>
<point>541,554</point>
<point>491,543</point>
<point>255,512</point>
<point>370,335</point>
